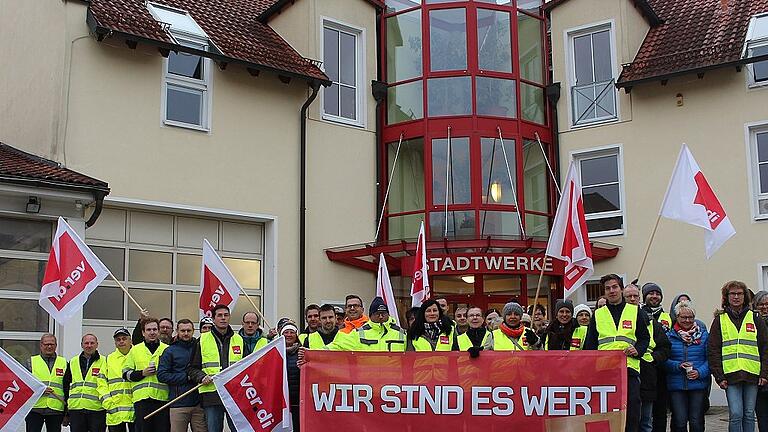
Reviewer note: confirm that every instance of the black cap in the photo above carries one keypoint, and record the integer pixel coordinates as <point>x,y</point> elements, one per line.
<point>377,305</point>
<point>122,332</point>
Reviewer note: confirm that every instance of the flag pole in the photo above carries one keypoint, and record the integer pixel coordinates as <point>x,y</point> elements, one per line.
<point>256,308</point>
<point>126,292</point>
<point>538,286</point>
<point>650,242</point>
<point>193,389</point>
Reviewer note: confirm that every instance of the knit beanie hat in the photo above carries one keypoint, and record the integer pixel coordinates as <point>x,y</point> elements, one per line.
<point>377,305</point>
<point>510,308</point>
<point>582,308</point>
<point>758,298</point>
<point>526,319</point>
<point>564,304</point>
<point>651,286</point>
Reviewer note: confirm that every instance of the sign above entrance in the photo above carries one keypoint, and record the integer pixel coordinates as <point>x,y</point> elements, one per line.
<point>455,264</point>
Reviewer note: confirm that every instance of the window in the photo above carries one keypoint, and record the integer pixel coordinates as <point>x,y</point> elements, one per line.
<point>343,62</point>
<point>756,46</point>
<point>758,150</point>
<point>764,277</point>
<point>592,83</point>
<point>186,84</point>
<point>601,187</point>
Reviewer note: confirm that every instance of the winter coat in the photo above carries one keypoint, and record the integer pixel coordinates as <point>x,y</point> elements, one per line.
<point>172,370</point>
<point>715,348</point>
<point>696,354</point>
<point>649,371</point>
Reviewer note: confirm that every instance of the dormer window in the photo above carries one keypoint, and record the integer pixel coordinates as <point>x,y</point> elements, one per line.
<point>186,83</point>
<point>756,45</point>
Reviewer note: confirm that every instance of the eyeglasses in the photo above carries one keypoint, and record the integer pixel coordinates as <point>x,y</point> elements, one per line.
<point>352,306</point>
<point>736,294</point>
<point>685,318</point>
<point>250,322</point>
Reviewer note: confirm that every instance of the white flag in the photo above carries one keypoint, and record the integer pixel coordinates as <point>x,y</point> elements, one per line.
<point>690,199</point>
<point>384,289</point>
<point>420,282</point>
<point>569,239</point>
<point>20,391</point>
<point>217,284</point>
<point>254,390</point>
<point>72,273</point>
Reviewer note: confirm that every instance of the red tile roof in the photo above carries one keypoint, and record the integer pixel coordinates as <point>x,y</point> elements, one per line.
<point>232,26</point>
<point>17,166</point>
<point>696,35</point>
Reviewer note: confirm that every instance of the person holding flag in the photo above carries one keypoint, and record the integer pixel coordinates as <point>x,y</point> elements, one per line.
<point>115,390</point>
<point>85,411</point>
<point>49,368</point>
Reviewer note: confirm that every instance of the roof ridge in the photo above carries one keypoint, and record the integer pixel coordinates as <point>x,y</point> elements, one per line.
<point>32,156</point>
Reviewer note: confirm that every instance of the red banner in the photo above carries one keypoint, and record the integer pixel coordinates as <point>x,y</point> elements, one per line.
<point>579,391</point>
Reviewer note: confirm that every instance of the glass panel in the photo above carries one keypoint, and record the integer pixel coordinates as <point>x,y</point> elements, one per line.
<point>530,49</point>
<point>535,178</point>
<point>405,102</point>
<point>398,5</point>
<point>532,103</point>
<point>157,301</point>
<point>502,285</point>
<point>404,227</point>
<point>582,57</point>
<point>599,199</point>
<point>448,39</point>
<point>22,315</point>
<point>187,306</point>
<point>764,178</point>
<point>461,224</point>
<point>452,285</point>
<point>496,2</point>
<point>450,96</point>
<point>190,232</point>
<point>188,269</point>
<point>459,182</point>
<point>760,69</point>
<point>496,97</point>
<point>151,228</point>
<point>21,350</point>
<point>606,100</point>
<point>601,45</point>
<point>184,105</point>
<point>241,237</point>
<point>331,53</point>
<point>113,258</point>
<point>25,235</point>
<point>348,59</point>
<point>187,65</point>
<point>494,46</point>
<point>604,224</point>
<point>105,303</point>
<point>331,100</point>
<point>246,271</point>
<point>760,28</point>
<point>499,224</point>
<point>583,103</point>
<point>110,226</point>
<point>496,184</point>
<point>404,46</point>
<point>21,274</point>
<point>406,191</point>
<point>599,170</point>
<point>762,146</point>
<point>348,102</point>
<point>147,266</point>
<point>243,306</point>
<point>531,6</point>
<point>536,225</point>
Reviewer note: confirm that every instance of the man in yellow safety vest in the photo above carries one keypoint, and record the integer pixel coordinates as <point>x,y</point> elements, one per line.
<point>85,411</point>
<point>49,368</point>
<point>476,335</point>
<point>326,332</point>
<point>140,368</point>
<point>116,391</point>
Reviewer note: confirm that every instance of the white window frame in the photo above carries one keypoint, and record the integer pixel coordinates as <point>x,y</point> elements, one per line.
<point>568,36</point>
<point>612,149</point>
<point>762,276</point>
<point>753,174</point>
<point>749,44</point>
<point>360,76</point>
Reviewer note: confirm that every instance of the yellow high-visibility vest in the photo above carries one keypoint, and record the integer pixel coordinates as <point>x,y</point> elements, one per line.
<point>577,339</point>
<point>739,349</point>
<point>502,342</point>
<point>116,391</point>
<point>53,378</point>
<point>611,338</point>
<point>444,342</point>
<point>148,388</point>
<point>386,337</point>
<point>84,390</point>
<point>647,356</point>
<point>209,351</point>
<point>465,343</point>
<point>665,320</point>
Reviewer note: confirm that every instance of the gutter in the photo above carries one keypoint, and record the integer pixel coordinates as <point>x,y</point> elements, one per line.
<point>303,202</point>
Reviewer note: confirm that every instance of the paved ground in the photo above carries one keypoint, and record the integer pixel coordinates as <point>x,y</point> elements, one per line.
<point>717,419</point>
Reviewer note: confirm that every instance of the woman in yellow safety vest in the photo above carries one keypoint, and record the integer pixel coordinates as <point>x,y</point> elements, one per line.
<point>431,331</point>
<point>583,314</point>
<point>511,335</point>
<point>564,332</point>
<point>736,340</point>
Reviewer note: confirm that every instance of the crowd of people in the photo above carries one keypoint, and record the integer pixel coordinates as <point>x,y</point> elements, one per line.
<point>671,356</point>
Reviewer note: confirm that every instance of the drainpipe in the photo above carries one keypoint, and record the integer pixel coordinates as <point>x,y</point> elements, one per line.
<point>553,95</point>
<point>379,93</point>
<point>303,203</point>
<point>97,211</point>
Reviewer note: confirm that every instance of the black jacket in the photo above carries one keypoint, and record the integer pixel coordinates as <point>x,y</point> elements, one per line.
<point>172,370</point>
<point>641,333</point>
<point>85,364</point>
<point>649,371</point>
<point>195,368</point>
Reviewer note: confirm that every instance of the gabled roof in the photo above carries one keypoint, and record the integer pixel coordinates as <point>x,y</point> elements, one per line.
<point>643,6</point>
<point>696,35</point>
<point>20,167</point>
<point>232,26</point>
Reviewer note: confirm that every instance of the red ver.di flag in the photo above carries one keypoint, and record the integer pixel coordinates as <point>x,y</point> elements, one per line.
<point>255,390</point>
<point>19,391</point>
<point>72,273</point>
<point>420,282</point>
<point>690,199</point>
<point>217,284</point>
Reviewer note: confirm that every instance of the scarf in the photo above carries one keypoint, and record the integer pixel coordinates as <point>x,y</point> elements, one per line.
<point>689,337</point>
<point>512,332</point>
<point>653,311</point>
<point>292,349</point>
<point>431,330</point>
<point>476,335</point>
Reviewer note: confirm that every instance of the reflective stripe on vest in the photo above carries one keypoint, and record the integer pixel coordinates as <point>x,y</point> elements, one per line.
<point>83,391</point>
<point>577,339</point>
<point>53,378</point>
<point>149,387</point>
<point>465,343</point>
<point>370,338</point>
<point>648,355</point>
<point>610,338</point>
<point>119,398</point>
<point>444,343</point>
<point>209,351</point>
<point>739,349</point>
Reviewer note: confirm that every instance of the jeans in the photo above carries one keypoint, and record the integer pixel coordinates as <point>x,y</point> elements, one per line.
<point>214,416</point>
<point>87,421</point>
<point>741,407</point>
<point>761,408</point>
<point>688,410</point>
<point>184,417</point>
<point>52,423</point>
<point>646,416</point>
<point>633,403</point>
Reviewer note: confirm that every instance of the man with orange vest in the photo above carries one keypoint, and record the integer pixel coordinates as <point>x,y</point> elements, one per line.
<point>48,368</point>
<point>355,317</point>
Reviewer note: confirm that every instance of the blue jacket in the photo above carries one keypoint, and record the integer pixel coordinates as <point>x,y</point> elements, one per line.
<point>696,354</point>
<point>172,370</point>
